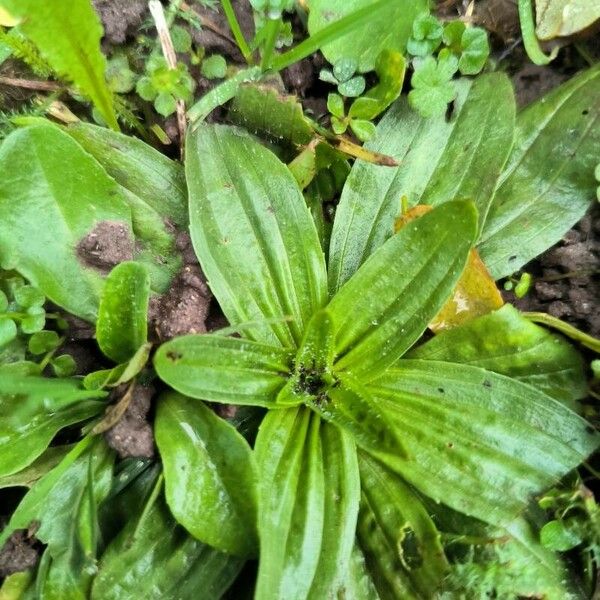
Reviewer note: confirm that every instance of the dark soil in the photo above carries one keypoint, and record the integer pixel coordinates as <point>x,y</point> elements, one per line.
<point>120,18</point>
<point>567,278</point>
<point>215,36</point>
<point>185,307</point>
<point>18,554</point>
<point>500,18</point>
<point>107,245</point>
<point>532,82</point>
<point>132,436</point>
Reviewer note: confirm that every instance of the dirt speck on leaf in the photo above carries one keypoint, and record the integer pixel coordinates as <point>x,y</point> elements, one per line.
<point>132,435</point>
<point>120,18</point>
<point>18,553</point>
<point>184,308</point>
<point>107,245</point>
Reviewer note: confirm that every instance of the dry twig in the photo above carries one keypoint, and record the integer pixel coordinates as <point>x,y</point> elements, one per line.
<point>158,14</point>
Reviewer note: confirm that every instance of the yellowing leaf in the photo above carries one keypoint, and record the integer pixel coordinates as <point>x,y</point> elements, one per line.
<point>475,294</point>
<point>559,18</point>
<point>6,19</point>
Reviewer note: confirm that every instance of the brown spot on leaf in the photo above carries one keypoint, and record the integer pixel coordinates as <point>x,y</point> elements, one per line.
<point>174,356</point>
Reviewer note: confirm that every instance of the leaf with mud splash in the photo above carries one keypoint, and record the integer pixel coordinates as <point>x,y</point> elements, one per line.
<point>64,223</point>
<point>52,195</point>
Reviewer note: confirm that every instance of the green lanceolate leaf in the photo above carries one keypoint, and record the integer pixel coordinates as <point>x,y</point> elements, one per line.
<point>122,325</point>
<point>69,574</point>
<point>210,476</point>
<point>402,546</point>
<point>308,504</point>
<point>144,171</point>
<point>33,410</point>
<point>348,405</point>
<point>68,37</point>
<point>439,160</point>
<point>264,110</point>
<point>250,225</point>
<point>224,369</point>
<point>548,183</point>
<point>394,23</point>
<point>18,586</point>
<point>358,584</point>
<point>408,280</point>
<point>63,504</point>
<point>52,195</point>
<point>507,343</point>
<point>37,469</point>
<point>156,559</point>
<point>468,429</point>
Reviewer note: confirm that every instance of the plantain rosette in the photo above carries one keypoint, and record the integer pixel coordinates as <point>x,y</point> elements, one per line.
<point>362,430</point>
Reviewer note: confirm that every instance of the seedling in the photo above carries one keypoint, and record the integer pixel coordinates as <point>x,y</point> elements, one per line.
<point>344,77</point>
<point>164,86</point>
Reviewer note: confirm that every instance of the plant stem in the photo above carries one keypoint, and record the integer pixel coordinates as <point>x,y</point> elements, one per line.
<point>50,355</point>
<point>272,31</point>
<point>228,89</point>
<point>330,33</point>
<point>236,30</point>
<point>572,332</point>
<point>32,84</point>
<point>206,22</point>
<point>530,40</point>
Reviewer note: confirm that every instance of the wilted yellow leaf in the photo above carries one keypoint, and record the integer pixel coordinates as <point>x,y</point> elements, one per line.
<point>475,294</point>
<point>559,18</point>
